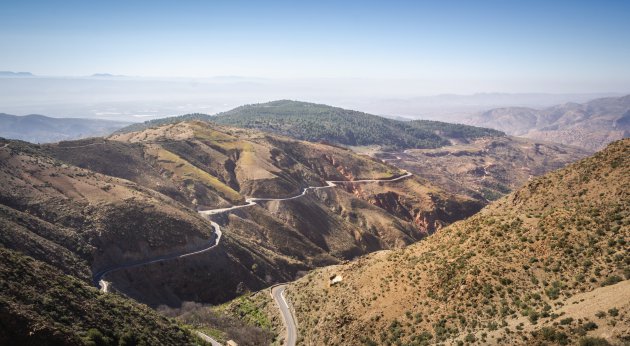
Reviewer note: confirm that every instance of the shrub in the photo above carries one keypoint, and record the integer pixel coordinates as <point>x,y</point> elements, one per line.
<point>611,280</point>
<point>470,338</point>
<point>553,293</point>
<point>589,326</point>
<point>369,342</point>
<point>593,341</point>
<point>533,317</point>
<point>550,334</point>
<point>96,338</point>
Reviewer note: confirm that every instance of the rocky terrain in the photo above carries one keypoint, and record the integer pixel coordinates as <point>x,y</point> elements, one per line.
<point>547,264</point>
<point>208,166</point>
<point>590,125</point>
<point>85,220</point>
<point>485,168</point>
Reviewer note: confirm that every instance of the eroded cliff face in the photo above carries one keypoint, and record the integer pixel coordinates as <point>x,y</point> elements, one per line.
<point>428,214</point>
<point>487,168</point>
<point>340,167</point>
<point>393,203</point>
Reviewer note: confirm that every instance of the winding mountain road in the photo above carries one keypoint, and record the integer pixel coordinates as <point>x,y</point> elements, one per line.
<point>329,183</point>
<point>98,278</point>
<point>277,292</point>
<point>207,338</point>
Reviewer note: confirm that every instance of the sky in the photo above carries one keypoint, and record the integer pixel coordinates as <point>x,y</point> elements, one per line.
<point>513,46</point>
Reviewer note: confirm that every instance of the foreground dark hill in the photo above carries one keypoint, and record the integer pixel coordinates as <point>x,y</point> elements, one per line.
<point>547,264</point>
<point>40,305</point>
<point>42,129</point>
<point>317,122</point>
<point>590,125</point>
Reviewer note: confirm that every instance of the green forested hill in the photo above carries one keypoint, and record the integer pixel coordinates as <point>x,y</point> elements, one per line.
<point>317,122</point>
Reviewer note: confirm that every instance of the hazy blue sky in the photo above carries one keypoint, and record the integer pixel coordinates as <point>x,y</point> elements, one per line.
<point>491,44</point>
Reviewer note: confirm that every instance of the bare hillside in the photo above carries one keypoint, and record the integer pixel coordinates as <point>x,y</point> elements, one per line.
<point>504,276</point>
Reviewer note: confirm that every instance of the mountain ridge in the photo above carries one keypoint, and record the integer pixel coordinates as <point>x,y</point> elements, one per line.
<point>319,122</point>
<point>589,125</point>
<point>37,128</point>
<point>15,74</point>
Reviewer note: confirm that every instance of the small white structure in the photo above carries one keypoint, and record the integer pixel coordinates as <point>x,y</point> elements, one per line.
<point>335,279</point>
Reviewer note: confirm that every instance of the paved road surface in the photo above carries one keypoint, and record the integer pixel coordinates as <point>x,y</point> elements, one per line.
<point>329,183</point>
<point>207,338</point>
<point>98,278</point>
<point>277,292</point>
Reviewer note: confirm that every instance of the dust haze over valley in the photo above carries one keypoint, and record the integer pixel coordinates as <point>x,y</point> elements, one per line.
<point>136,99</point>
<point>327,173</point>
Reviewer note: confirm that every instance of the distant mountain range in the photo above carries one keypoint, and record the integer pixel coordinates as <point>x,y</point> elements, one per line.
<point>317,122</point>
<point>590,125</point>
<point>42,129</point>
<point>454,107</point>
<point>28,74</point>
<point>15,74</point>
<point>106,75</point>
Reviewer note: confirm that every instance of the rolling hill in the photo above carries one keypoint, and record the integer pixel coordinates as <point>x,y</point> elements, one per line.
<point>590,125</point>
<point>322,123</point>
<point>480,163</point>
<point>547,264</point>
<point>42,129</point>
